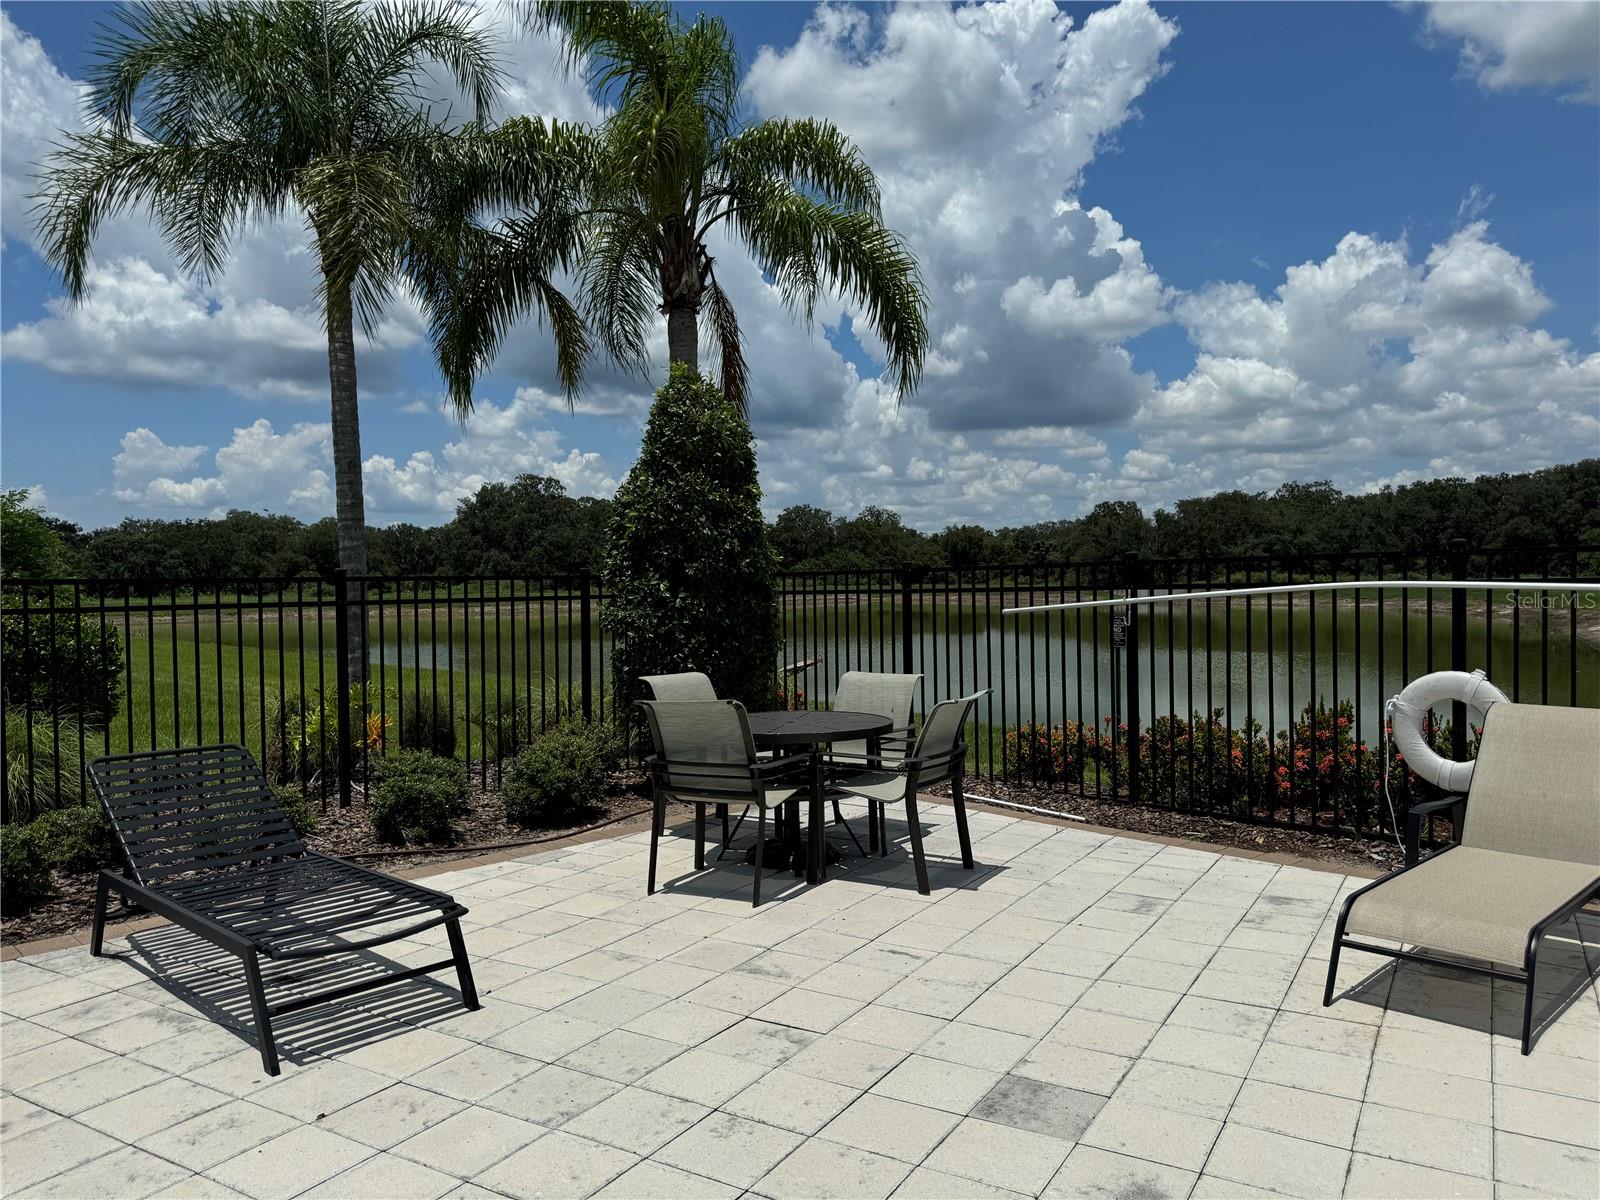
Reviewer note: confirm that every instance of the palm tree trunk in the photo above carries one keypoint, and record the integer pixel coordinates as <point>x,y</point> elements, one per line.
<point>683,336</point>
<point>349,501</point>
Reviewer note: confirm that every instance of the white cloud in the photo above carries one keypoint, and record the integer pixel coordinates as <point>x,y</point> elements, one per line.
<point>293,471</point>
<point>1506,44</point>
<point>37,102</point>
<point>140,325</point>
<point>979,122</point>
<point>258,468</point>
<point>1361,364</point>
<point>495,443</point>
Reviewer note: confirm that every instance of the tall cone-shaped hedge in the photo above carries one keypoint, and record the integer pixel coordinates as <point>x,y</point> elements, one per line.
<point>690,582</point>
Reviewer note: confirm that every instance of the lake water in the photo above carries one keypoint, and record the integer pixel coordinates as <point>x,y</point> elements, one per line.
<point>1251,662</point>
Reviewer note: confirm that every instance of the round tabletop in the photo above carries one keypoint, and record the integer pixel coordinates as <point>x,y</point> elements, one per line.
<point>806,727</point>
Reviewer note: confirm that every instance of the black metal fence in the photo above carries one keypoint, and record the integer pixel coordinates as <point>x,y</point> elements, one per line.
<point>1266,709</point>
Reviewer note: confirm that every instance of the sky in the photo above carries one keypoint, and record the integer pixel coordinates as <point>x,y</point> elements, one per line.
<point>1169,249</point>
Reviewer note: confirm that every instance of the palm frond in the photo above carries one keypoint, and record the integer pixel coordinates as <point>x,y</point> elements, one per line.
<point>622,285</point>
<point>804,244</point>
<point>400,40</point>
<point>723,330</point>
<point>476,284</point>
<point>813,156</point>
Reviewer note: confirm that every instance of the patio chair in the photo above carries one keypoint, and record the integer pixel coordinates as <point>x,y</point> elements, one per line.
<point>1527,856</point>
<point>208,847</point>
<point>938,756</point>
<point>687,685</point>
<point>704,755</point>
<point>887,695</point>
<point>684,685</point>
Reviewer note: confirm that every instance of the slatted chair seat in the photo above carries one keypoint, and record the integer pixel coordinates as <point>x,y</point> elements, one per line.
<point>305,907</point>
<point>208,847</point>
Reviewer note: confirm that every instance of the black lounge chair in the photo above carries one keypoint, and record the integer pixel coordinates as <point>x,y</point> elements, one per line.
<point>208,847</point>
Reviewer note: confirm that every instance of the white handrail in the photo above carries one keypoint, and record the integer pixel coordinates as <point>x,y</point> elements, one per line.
<point>1524,585</point>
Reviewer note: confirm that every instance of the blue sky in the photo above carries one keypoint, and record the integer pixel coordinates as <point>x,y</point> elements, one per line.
<point>1356,242</point>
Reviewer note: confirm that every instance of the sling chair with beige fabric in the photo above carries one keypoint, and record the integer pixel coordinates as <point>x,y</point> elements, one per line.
<point>1527,858</point>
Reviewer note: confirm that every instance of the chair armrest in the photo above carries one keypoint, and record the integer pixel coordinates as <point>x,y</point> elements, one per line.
<point>865,760</point>
<point>1457,805</point>
<point>779,766</point>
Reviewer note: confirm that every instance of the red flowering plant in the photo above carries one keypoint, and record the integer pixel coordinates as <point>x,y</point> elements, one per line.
<point>1321,764</point>
<point>1203,764</point>
<point>1041,753</point>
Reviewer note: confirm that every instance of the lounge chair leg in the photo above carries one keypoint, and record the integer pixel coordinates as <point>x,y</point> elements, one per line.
<point>761,852</point>
<point>1527,1015</point>
<point>883,830</point>
<point>872,825</point>
<point>722,814</point>
<point>258,1008</point>
<point>917,858</point>
<point>958,798</point>
<point>102,896</point>
<point>657,818</point>
<point>458,947</point>
<point>1333,970</point>
<point>699,837</point>
<point>1530,964</point>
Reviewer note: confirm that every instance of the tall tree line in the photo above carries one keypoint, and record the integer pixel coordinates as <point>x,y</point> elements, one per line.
<point>530,527</point>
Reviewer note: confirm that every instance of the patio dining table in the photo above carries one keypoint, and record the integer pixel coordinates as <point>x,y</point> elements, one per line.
<point>818,728</point>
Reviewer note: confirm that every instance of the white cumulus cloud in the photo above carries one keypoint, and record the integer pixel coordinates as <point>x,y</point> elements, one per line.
<point>1505,44</point>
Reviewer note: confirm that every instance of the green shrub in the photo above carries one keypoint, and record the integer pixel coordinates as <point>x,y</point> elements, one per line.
<point>60,663</point>
<point>302,813</point>
<point>425,726</point>
<point>43,769</point>
<point>417,798</point>
<point>689,576</point>
<point>303,735</point>
<point>24,870</point>
<point>560,776</point>
<point>76,839</point>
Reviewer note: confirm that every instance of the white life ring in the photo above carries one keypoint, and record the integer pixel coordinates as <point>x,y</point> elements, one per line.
<point>1410,708</point>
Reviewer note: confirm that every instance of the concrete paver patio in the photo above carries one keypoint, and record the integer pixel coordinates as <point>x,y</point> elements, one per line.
<point>1082,1015</point>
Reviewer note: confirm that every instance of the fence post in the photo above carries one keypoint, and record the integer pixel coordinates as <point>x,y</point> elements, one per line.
<point>907,649</point>
<point>1458,644</point>
<point>1131,680</point>
<point>341,637</point>
<point>586,651</point>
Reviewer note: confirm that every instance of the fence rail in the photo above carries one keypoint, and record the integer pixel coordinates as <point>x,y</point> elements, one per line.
<point>1265,709</point>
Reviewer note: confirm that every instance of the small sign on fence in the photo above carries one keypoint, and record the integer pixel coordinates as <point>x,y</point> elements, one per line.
<point>1119,630</point>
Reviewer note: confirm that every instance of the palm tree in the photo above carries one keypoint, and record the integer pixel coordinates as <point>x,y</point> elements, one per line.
<point>672,163</point>
<point>211,116</point>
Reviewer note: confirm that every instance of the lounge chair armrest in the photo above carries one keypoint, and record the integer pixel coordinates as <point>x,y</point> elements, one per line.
<point>178,914</point>
<point>1457,806</point>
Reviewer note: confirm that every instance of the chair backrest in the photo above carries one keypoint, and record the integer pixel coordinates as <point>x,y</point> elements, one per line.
<point>200,809</point>
<point>685,685</point>
<point>1536,786</point>
<point>943,736</point>
<point>878,692</point>
<point>702,747</point>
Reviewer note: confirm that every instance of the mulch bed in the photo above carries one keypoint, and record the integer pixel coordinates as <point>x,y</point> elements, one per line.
<point>1336,849</point>
<point>346,833</point>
